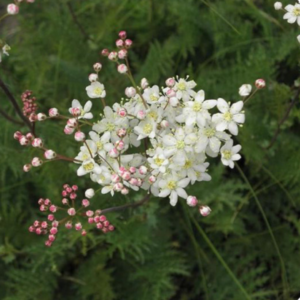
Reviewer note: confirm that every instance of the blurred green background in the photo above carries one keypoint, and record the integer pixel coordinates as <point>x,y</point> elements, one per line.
<point>248,248</point>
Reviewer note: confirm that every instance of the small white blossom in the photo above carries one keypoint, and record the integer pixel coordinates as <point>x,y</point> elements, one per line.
<point>152,95</point>
<point>229,154</point>
<point>293,13</point>
<point>184,89</point>
<point>84,111</point>
<point>96,90</point>
<point>245,90</point>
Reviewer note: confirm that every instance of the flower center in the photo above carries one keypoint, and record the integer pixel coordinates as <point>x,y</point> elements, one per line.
<point>89,166</point>
<point>227,154</point>
<point>181,86</point>
<point>171,185</point>
<point>180,145</point>
<point>153,97</point>
<point>110,126</point>
<point>147,128</point>
<point>99,145</point>
<point>98,91</point>
<point>209,132</point>
<point>85,156</point>
<point>296,11</point>
<point>188,164</point>
<point>227,116</point>
<point>158,161</point>
<point>197,106</point>
<point>153,115</point>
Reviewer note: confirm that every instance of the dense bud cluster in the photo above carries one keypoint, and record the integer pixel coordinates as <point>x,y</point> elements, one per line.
<point>29,105</point>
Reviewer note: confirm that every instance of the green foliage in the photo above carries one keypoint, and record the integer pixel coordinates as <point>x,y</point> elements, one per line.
<point>157,252</point>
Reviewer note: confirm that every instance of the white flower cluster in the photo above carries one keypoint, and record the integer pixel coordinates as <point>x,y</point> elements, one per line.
<point>158,139</point>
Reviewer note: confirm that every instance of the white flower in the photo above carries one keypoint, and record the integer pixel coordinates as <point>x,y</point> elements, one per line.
<point>229,154</point>
<point>245,90</point>
<point>146,128</point>
<point>173,187</point>
<point>293,13</point>
<point>184,89</point>
<point>96,90</point>
<point>102,142</point>
<point>158,162</point>
<point>151,95</point>
<point>87,151</point>
<point>89,193</point>
<point>230,117</point>
<point>278,5</point>
<point>88,166</point>
<point>84,111</point>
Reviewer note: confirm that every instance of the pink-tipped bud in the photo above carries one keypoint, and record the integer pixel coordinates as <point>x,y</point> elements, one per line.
<point>85,202</point>
<point>72,122</point>
<point>164,124</point>
<point>31,229</point>
<point>69,225</point>
<point>170,82</point>
<point>50,217</point>
<point>113,153</point>
<point>75,111</point>
<point>49,154</point>
<point>74,187</point>
<point>144,83</point>
<point>97,67</point>
<point>191,201</point>
<point>53,230</point>
<point>41,117</point>
<point>133,181</point>
<point>126,175</point>
<point>64,193</point>
<point>132,170</point>
<point>52,208</point>
<point>119,43</point>
<point>121,171</point>
<point>106,223</point>
<point>122,35</point>
<point>139,182</point>
<point>65,201</point>
<point>89,213</point>
<point>143,170</point>
<point>105,52</point>
<point>97,219</point>
<point>128,43</point>
<point>47,202</point>
<point>36,223</point>
<point>102,218</point>
<point>122,112</point>
<point>68,130</point>
<point>111,228</point>
<point>55,224</point>
<point>89,193</point>
<point>36,162</point>
<point>120,145</point>
<point>12,9</point>
<point>118,186</point>
<point>124,191</point>
<point>113,56</point>
<point>79,136</point>
<point>152,179</point>
<point>78,226</point>
<point>48,243</point>
<point>122,68</point>
<point>73,196</point>
<point>43,207</point>
<point>37,143</point>
<point>17,135</point>
<point>44,224</point>
<point>170,93</point>
<point>83,232</point>
<point>53,112</point>
<point>69,190</point>
<point>32,117</point>
<point>130,92</point>
<point>51,238</point>
<point>23,140</point>
<point>99,225</point>
<point>141,114</point>
<point>93,77</point>
<point>90,220</point>
<point>104,230</point>
<point>121,132</point>
<point>122,54</point>
<point>71,211</point>
<point>260,83</point>
<point>204,211</point>
<point>41,201</point>
<point>30,136</point>
<point>115,178</point>
<point>38,231</point>
<point>27,167</point>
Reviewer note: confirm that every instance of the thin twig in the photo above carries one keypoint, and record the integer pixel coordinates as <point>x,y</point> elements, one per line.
<point>285,117</point>
<point>15,104</point>
<point>134,204</point>
<point>9,118</point>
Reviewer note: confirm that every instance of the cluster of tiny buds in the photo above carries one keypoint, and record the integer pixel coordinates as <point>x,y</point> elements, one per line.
<point>193,202</point>
<point>123,44</point>
<point>69,191</point>
<point>29,105</point>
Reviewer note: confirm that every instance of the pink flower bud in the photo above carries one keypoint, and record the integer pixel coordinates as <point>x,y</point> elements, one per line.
<point>51,238</point>
<point>99,226</point>
<point>48,243</point>
<point>79,136</point>
<point>51,217</point>
<point>65,201</point>
<point>74,187</point>
<point>36,162</point>
<point>72,122</point>
<point>89,193</point>
<point>30,136</point>
<point>93,77</point>
<point>37,143</point>
<point>64,193</point>
<point>89,213</point>
<point>139,182</point>
<point>118,186</point>
<point>132,170</point>
<point>17,135</point>
<point>130,92</point>
<point>128,43</point>
<point>152,179</point>
<point>115,178</point>
<point>32,117</point>
<point>47,202</point>
<point>83,232</point>
<point>31,229</point>
<point>121,132</point>
<point>36,223</point>
<point>78,226</point>
<point>126,175</point>
<point>111,228</point>
<point>68,130</point>
<point>41,201</point>
<point>41,117</point>
<point>113,153</point>
<point>49,154</point>
<point>90,220</point>
<point>104,230</point>
<point>122,112</point>
<point>23,140</point>
<point>260,83</point>
<point>97,67</point>
<point>53,112</point>
<point>143,170</point>
<point>75,111</point>
<point>71,211</point>
<point>105,52</point>
<point>113,56</point>
<point>55,224</point>
<point>122,53</point>
<point>133,181</point>
<point>121,170</point>
<point>144,83</point>
<point>122,68</point>
<point>85,202</point>
<point>38,231</point>
<point>106,223</point>
<point>69,225</point>
<point>204,211</point>
<point>119,43</point>
<point>164,124</point>
<point>170,93</point>
<point>44,224</point>
<point>12,9</point>
<point>52,208</point>
<point>53,230</point>
<point>27,167</point>
<point>119,145</point>
<point>97,219</point>
<point>122,35</point>
<point>43,207</point>
<point>191,201</point>
<point>73,196</point>
<point>170,82</point>
<point>124,191</point>
<point>141,114</point>
<point>69,190</point>
<point>102,218</point>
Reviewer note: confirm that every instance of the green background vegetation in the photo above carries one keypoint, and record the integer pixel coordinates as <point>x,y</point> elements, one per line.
<point>248,248</point>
